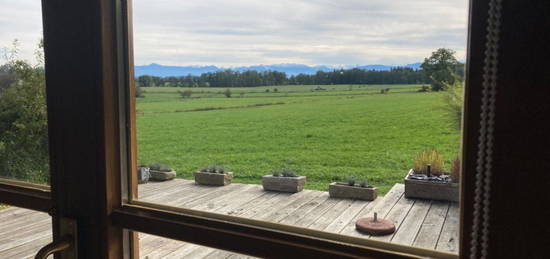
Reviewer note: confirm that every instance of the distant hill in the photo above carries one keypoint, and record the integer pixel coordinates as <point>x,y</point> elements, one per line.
<point>290,69</point>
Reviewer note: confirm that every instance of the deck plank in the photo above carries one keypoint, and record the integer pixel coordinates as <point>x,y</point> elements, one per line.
<point>397,214</point>
<point>305,209</point>
<point>218,254</point>
<point>28,248</point>
<point>331,214</point>
<point>408,230</point>
<point>421,223</point>
<point>431,227</point>
<point>224,200</point>
<point>346,216</point>
<point>13,214</point>
<point>282,213</point>
<point>366,211</point>
<point>162,193</point>
<point>448,240</point>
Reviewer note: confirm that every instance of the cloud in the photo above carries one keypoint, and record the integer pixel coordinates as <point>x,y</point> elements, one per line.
<point>21,20</point>
<point>314,32</point>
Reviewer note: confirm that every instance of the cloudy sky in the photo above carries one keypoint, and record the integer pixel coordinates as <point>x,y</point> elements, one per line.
<point>249,32</point>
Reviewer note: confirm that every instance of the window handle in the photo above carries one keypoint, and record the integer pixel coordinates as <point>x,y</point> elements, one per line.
<point>63,244</point>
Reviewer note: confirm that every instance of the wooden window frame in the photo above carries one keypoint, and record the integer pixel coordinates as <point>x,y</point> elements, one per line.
<point>88,58</point>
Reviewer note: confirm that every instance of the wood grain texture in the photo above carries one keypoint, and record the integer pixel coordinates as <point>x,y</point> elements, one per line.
<point>422,223</point>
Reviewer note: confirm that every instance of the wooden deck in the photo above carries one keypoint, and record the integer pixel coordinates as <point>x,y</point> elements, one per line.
<point>420,223</point>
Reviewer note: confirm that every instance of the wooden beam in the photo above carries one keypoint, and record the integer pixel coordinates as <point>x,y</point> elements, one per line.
<point>251,239</point>
<point>25,195</point>
<point>83,75</point>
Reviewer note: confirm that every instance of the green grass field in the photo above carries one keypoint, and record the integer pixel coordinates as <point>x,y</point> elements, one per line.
<point>324,135</point>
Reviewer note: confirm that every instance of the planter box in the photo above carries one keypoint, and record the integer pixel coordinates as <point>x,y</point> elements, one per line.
<point>213,178</point>
<point>143,174</point>
<point>283,184</point>
<point>430,189</point>
<point>162,175</point>
<point>337,190</point>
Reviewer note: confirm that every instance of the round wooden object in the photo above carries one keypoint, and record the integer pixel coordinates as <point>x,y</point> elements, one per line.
<point>379,227</point>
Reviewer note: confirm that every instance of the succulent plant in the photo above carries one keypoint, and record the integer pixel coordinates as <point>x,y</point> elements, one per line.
<point>351,180</point>
<point>284,173</point>
<point>160,167</point>
<point>214,169</point>
<point>363,183</point>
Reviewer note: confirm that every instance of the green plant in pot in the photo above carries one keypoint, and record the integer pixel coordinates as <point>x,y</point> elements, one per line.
<point>213,175</point>
<point>351,190</point>
<point>429,180</point>
<point>284,180</point>
<point>161,172</point>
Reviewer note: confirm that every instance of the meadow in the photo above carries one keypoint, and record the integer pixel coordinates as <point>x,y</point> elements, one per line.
<point>326,135</point>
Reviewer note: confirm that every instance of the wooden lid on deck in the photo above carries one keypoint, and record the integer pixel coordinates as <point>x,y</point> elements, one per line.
<point>375,226</point>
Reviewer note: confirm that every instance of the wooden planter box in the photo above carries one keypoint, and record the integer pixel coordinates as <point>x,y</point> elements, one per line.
<point>430,190</point>
<point>143,174</point>
<point>162,175</point>
<point>283,184</point>
<point>213,178</point>
<point>338,190</point>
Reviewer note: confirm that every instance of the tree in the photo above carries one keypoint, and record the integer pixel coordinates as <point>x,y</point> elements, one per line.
<point>441,68</point>
<point>23,122</point>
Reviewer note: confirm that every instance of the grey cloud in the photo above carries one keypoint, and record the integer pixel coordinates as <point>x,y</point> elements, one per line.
<point>248,32</point>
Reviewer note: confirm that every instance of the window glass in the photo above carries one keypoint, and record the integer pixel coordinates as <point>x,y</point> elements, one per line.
<point>23,116</point>
<point>315,114</point>
<point>23,232</point>
<point>152,247</point>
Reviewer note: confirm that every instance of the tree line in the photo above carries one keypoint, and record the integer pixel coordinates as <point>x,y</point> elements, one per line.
<point>230,78</point>
<point>439,69</point>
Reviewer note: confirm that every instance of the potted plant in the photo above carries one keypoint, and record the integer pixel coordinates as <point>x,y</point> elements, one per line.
<point>429,180</point>
<point>351,190</point>
<point>213,175</point>
<point>284,181</point>
<point>161,172</point>
<point>143,174</point>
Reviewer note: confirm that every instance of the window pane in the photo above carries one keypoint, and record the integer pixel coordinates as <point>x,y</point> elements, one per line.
<point>152,247</point>
<point>339,98</point>
<point>23,232</point>
<point>23,117</point>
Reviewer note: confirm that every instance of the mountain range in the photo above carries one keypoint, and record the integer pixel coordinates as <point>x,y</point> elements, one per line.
<point>290,69</point>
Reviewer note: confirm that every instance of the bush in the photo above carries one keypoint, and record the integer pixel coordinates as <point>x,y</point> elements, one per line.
<point>267,90</point>
<point>275,90</point>
<point>432,158</point>
<point>186,94</point>
<point>227,93</point>
<point>23,122</point>
<point>453,99</point>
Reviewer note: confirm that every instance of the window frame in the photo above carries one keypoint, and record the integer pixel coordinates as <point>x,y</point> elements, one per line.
<point>103,30</point>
